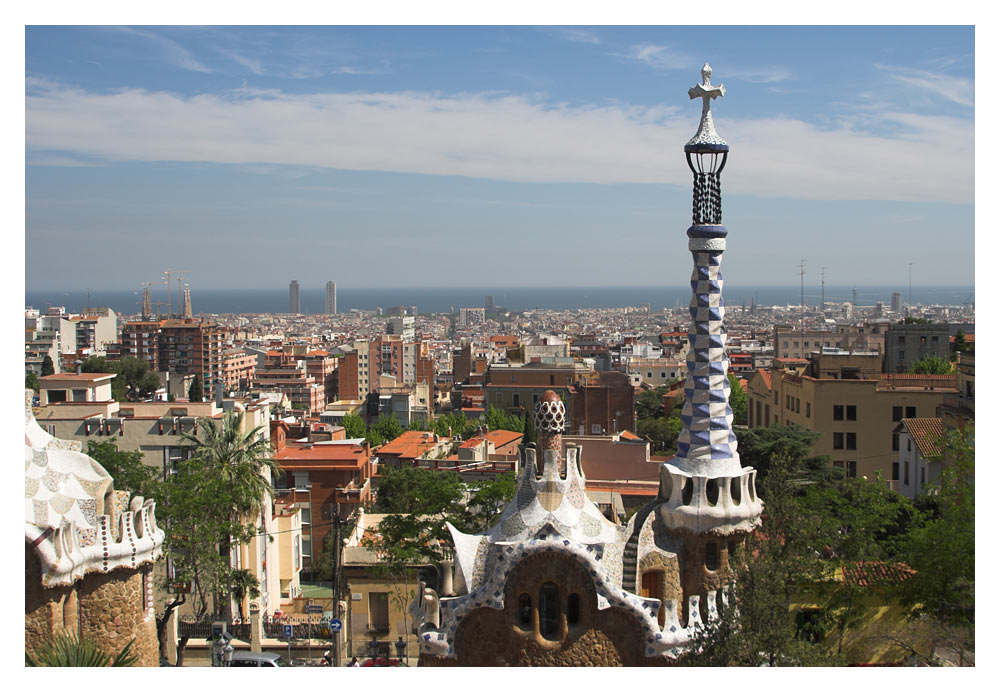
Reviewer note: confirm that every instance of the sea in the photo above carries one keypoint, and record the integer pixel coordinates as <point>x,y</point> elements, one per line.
<point>438,300</point>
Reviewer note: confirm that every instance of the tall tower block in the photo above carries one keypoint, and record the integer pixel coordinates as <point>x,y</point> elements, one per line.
<point>293,297</point>
<point>709,494</point>
<point>331,298</point>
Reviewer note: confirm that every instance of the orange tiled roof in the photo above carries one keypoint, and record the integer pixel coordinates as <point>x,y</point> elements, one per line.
<point>926,432</point>
<point>875,573</point>
<point>410,445</point>
<point>499,438</point>
<point>626,435</point>
<point>334,455</point>
<point>766,374</point>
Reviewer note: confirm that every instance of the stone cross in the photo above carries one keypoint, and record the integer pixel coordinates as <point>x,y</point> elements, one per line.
<point>706,90</point>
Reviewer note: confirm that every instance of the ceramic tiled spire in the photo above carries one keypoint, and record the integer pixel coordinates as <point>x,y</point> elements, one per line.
<point>707,444</point>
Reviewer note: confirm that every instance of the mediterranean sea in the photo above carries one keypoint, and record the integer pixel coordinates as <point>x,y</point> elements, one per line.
<point>255,300</point>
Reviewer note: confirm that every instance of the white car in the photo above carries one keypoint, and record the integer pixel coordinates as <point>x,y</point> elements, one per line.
<point>255,659</point>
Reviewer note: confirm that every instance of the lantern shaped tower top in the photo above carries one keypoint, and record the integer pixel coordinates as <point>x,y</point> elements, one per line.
<point>706,139</point>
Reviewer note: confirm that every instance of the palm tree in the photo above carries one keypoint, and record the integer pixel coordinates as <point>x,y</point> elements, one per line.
<point>242,459</point>
<point>242,462</point>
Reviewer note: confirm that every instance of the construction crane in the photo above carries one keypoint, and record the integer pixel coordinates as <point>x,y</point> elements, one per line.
<point>168,273</point>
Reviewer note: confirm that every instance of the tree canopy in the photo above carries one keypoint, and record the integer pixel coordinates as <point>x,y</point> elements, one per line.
<point>126,468</point>
<point>737,400</point>
<point>931,365</point>
<point>196,392</point>
<point>48,367</point>
<point>662,432</point>
<point>942,545</point>
<point>135,379</point>
<point>759,446</point>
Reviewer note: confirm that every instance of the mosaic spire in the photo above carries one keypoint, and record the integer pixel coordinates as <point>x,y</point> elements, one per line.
<point>707,445</point>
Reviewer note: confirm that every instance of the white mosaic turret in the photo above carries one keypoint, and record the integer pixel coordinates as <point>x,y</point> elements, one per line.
<point>73,518</point>
<point>706,486</point>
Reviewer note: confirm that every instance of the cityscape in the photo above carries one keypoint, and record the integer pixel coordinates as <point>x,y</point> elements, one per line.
<point>571,444</point>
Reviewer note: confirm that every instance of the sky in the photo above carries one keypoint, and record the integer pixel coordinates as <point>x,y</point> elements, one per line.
<point>494,155</point>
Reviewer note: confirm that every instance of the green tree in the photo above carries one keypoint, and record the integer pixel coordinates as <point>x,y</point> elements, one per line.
<point>196,392</point>
<point>211,503</point>
<point>386,428</point>
<point>453,425</point>
<point>959,345</point>
<point>737,400</point>
<point>758,628</point>
<point>530,434</point>
<point>48,367</point>
<point>498,419</point>
<point>31,381</point>
<point>649,404</point>
<point>126,468</point>
<point>663,432</point>
<point>758,446</point>
<point>931,365</point>
<point>941,546</point>
<point>68,649</point>
<point>421,491</point>
<point>487,502</point>
<point>860,522</point>
<point>354,427</point>
<point>914,320</point>
<point>134,379</point>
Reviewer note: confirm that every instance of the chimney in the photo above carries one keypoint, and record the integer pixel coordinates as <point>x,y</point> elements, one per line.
<point>550,420</point>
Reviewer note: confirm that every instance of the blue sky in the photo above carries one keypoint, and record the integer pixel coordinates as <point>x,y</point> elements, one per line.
<point>436,156</point>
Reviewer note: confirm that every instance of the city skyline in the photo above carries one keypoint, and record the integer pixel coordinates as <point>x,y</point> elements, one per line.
<point>472,148</point>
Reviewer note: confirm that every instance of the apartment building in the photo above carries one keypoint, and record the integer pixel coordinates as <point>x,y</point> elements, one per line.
<point>905,344</point>
<point>854,408</point>
<point>328,474</point>
<point>512,387</point>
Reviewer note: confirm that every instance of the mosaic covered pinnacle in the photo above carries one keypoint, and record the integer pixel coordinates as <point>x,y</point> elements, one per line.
<point>706,139</point>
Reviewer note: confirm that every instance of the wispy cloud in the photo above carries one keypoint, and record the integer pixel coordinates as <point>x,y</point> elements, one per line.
<point>575,35</point>
<point>659,57</point>
<point>762,75</point>
<point>255,66</point>
<point>177,54</point>
<point>958,90</point>
<point>892,155</point>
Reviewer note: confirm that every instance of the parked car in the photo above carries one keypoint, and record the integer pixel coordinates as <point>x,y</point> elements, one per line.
<point>257,659</point>
<point>380,662</point>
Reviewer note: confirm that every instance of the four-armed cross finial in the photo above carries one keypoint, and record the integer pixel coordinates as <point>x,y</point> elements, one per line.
<point>707,91</point>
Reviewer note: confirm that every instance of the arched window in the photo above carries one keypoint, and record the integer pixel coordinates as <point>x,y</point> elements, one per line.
<point>524,611</point>
<point>712,556</point>
<point>573,609</point>
<point>548,611</point>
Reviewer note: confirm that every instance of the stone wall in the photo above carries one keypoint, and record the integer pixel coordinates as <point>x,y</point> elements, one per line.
<point>105,608</point>
<point>44,609</point>
<point>489,637</point>
<point>111,613</point>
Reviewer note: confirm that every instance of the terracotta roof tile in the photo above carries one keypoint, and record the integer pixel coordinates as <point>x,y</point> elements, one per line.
<point>876,573</point>
<point>926,432</point>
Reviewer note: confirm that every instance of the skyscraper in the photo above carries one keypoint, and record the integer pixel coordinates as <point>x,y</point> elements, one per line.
<point>331,298</point>
<point>897,303</point>
<point>293,297</point>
